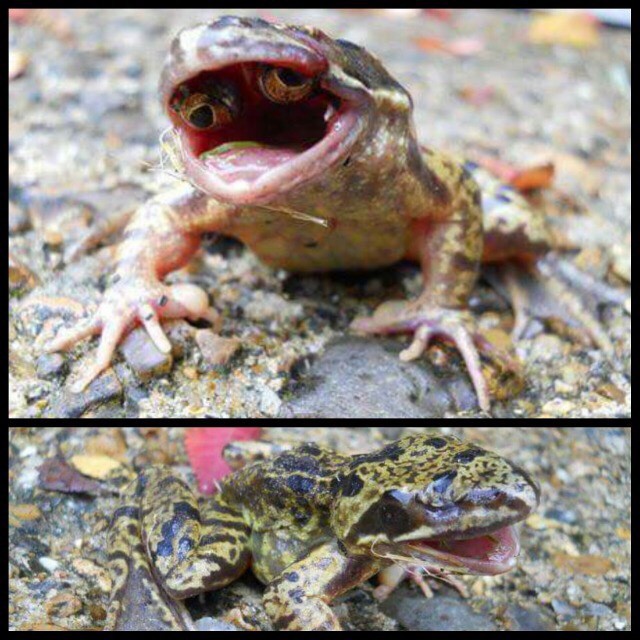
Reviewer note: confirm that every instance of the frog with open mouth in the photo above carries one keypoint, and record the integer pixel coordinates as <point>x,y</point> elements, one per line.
<point>303,147</point>
<point>313,524</point>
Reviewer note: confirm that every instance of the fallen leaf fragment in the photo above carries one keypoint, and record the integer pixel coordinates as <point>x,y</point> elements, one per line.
<point>99,467</point>
<point>56,475</point>
<point>570,28</point>
<point>204,447</point>
<point>461,47</point>
<point>18,63</point>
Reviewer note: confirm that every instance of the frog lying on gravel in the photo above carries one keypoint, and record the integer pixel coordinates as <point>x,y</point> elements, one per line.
<point>303,147</point>
<point>313,524</point>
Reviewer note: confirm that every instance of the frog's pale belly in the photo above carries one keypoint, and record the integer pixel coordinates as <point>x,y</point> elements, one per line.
<point>303,246</point>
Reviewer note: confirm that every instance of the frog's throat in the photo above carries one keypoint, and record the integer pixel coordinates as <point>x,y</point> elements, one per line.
<point>244,162</point>
<point>485,555</point>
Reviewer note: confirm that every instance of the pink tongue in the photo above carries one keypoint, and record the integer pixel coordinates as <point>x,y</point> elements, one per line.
<point>248,163</point>
<point>498,547</point>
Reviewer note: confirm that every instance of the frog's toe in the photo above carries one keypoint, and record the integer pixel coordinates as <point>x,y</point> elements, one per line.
<point>464,342</point>
<point>67,338</point>
<point>555,289</point>
<point>426,324</point>
<point>112,332</point>
<point>149,319</point>
<point>190,301</point>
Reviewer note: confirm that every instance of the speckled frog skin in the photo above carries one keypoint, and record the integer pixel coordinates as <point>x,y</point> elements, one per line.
<point>303,147</point>
<point>313,524</point>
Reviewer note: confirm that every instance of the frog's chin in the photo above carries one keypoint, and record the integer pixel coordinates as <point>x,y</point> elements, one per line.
<point>487,555</point>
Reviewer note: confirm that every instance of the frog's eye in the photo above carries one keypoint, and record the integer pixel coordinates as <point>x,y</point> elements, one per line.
<point>283,85</point>
<point>203,112</point>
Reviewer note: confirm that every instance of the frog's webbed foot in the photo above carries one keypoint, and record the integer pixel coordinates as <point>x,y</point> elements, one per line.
<point>429,322</point>
<point>555,288</point>
<point>126,304</point>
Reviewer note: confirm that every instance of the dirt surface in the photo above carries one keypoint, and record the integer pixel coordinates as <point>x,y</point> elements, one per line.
<point>574,571</point>
<point>84,128</point>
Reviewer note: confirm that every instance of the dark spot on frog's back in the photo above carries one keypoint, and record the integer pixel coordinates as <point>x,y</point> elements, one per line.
<point>390,453</point>
<point>443,481</point>
<point>184,511</point>
<point>301,484</point>
<point>298,461</point>
<point>126,512</point>
<point>291,576</point>
<point>297,595</point>
<point>468,456</point>
<point>348,486</point>
<point>436,443</point>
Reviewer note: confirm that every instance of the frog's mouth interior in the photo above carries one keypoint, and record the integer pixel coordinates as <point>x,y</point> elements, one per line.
<point>267,148</point>
<point>486,554</point>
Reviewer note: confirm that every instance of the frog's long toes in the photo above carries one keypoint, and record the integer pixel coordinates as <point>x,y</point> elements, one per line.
<point>84,380</point>
<point>111,334</point>
<point>151,323</point>
<point>465,343</point>
<point>67,338</point>
<point>421,340</point>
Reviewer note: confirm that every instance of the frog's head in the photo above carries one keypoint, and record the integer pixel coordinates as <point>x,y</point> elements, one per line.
<point>259,109</point>
<point>436,502</point>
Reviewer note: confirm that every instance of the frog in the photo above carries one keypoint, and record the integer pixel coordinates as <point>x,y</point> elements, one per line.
<point>313,524</point>
<point>304,148</point>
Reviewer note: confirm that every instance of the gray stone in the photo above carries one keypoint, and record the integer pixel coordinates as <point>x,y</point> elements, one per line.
<point>66,404</point>
<point>443,613</point>
<point>364,378</point>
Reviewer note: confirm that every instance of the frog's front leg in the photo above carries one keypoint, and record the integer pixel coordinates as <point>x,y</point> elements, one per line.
<point>449,252</point>
<point>163,548</point>
<point>162,236</point>
<point>299,600</point>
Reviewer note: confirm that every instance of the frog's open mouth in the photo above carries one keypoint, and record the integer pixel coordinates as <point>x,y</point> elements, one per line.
<point>242,147</point>
<point>487,554</point>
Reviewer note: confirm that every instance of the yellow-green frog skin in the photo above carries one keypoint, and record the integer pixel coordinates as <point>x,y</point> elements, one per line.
<point>313,524</point>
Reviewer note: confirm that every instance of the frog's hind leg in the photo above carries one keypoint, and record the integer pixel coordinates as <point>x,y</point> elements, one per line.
<point>193,549</point>
<point>137,603</point>
<point>552,287</point>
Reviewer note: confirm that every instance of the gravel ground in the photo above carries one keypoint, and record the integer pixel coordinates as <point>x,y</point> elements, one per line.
<point>84,125</point>
<point>574,572</point>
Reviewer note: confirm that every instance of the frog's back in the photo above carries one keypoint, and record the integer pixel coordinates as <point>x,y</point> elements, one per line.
<point>288,488</point>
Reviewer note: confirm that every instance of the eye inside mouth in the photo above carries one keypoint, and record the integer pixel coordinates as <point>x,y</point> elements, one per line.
<point>242,121</point>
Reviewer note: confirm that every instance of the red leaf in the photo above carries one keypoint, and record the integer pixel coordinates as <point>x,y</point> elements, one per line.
<point>204,447</point>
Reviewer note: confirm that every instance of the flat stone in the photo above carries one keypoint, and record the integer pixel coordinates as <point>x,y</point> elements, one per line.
<point>50,366</point>
<point>442,613</point>
<point>142,355</point>
<point>18,219</point>
<point>364,378</point>
<point>215,349</point>
<point>66,404</point>
<point>21,278</point>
